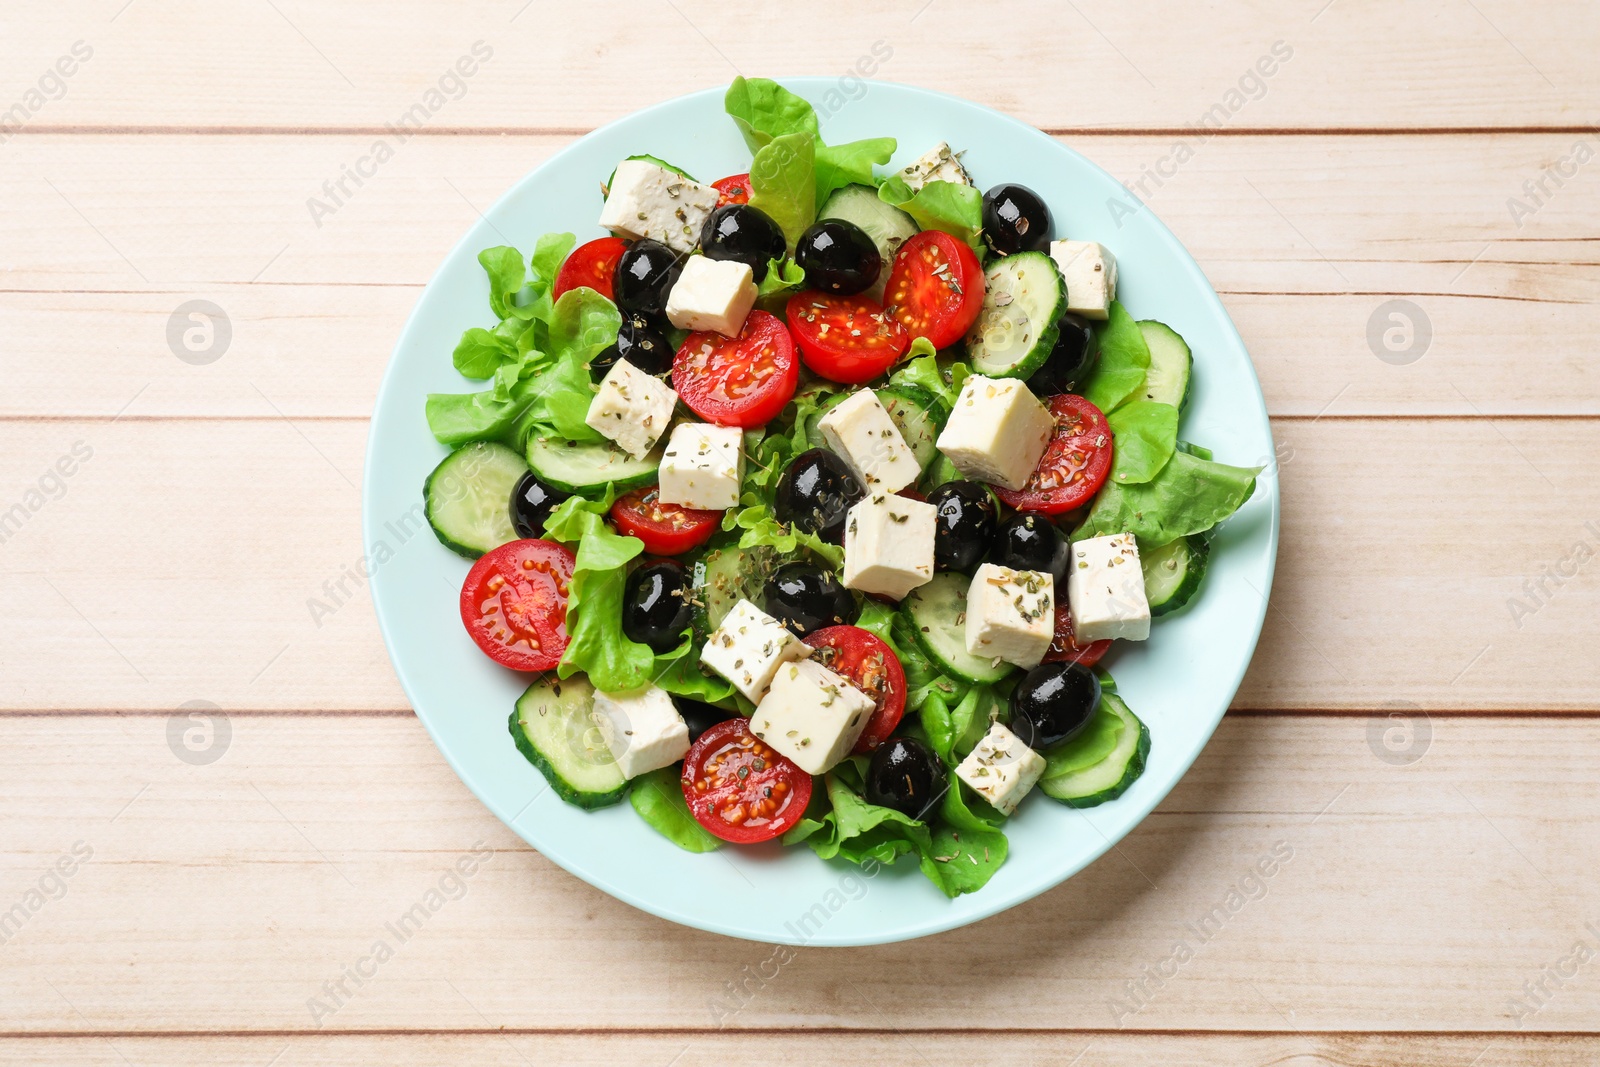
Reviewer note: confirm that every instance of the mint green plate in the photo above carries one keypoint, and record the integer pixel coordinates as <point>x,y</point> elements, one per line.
<point>1180,681</point>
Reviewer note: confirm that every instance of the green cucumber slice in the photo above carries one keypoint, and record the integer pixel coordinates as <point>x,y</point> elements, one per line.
<point>583,468</point>
<point>937,612</point>
<point>725,575</point>
<point>1172,573</point>
<point>1023,301</point>
<point>917,415</point>
<point>657,160</point>
<point>1111,777</point>
<point>887,225</point>
<point>467,498</point>
<point>1171,364</point>
<point>553,726</point>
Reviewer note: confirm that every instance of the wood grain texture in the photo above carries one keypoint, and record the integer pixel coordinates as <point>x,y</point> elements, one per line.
<point>1304,236</point>
<point>221,898</point>
<point>296,63</point>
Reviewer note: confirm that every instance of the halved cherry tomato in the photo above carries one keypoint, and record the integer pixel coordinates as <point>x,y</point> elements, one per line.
<point>514,604</point>
<point>591,264</point>
<point>848,339</point>
<point>860,658</point>
<point>738,381</point>
<point>1065,649</point>
<point>665,529</point>
<point>734,189</point>
<point>1075,463</point>
<point>739,788</point>
<point>935,288</point>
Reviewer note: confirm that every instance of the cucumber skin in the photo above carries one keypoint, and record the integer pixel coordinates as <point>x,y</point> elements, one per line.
<point>622,485</point>
<point>577,797</point>
<point>1048,334</point>
<point>1131,774</point>
<point>925,646</point>
<point>1149,326</point>
<point>1199,556</point>
<point>427,495</point>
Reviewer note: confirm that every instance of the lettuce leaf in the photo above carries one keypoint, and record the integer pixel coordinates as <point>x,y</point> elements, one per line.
<point>595,642</point>
<point>1124,360</point>
<point>1190,495</point>
<point>764,110</point>
<point>850,164</point>
<point>783,182</point>
<point>967,847</point>
<point>658,798</point>
<point>949,206</point>
<point>1144,435</point>
<point>784,278</point>
<point>922,367</point>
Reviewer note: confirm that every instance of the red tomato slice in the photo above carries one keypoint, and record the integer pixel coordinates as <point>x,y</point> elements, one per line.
<point>593,264</point>
<point>739,788</point>
<point>1075,463</point>
<point>734,189</point>
<point>848,339</point>
<point>514,604</point>
<point>1065,649</point>
<point>738,381</point>
<point>860,658</point>
<point>665,529</point>
<point>935,288</point>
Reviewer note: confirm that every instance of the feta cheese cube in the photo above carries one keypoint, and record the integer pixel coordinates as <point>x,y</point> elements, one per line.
<point>1105,590</point>
<point>650,201</point>
<point>631,408</point>
<point>888,545</point>
<point>812,715</point>
<point>998,431</point>
<point>1001,769</point>
<point>1091,274</point>
<point>643,730</point>
<point>866,438</point>
<point>702,466</point>
<point>1011,615</point>
<point>940,164</point>
<point>749,647</point>
<point>712,294</point>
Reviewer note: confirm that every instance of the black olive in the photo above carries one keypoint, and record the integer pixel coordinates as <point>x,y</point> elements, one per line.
<point>905,775</point>
<point>1015,220</point>
<point>1053,703</point>
<point>639,341</point>
<point>816,493</point>
<point>804,597</point>
<point>645,275</point>
<point>655,605</point>
<point>963,526</point>
<point>532,501</point>
<point>700,717</point>
<point>1074,356</point>
<point>838,257</point>
<point>1029,542</point>
<point>743,234</point>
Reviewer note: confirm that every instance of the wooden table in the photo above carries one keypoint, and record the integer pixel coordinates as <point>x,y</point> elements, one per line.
<point>1418,732</point>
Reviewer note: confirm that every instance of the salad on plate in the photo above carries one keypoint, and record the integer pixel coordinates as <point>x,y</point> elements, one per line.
<point>810,500</point>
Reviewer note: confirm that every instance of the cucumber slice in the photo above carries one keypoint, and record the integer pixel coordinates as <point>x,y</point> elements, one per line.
<point>575,467</point>
<point>888,226</point>
<point>1167,380</point>
<point>553,725</point>
<point>937,612</point>
<point>813,420</point>
<point>726,575</point>
<point>1172,573</point>
<point>1111,777</point>
<point>467,498</point>
<point>1023,301</point>
<point>917,415</point>
<point>657,160</point>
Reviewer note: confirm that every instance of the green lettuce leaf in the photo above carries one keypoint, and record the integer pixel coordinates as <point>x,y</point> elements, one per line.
<point>595,642</point>
<point>783,182</point>
<point>784,278</point>
<point>658,798</point>
<point>922,367</point>
<point>1124,360</point>
<point>480,353</point>
<point>949,206</point>
<point>1190,495</point>
<point>679,673</point>
<point>1144,435</point>
<point>967,848</point>
<point>764,110</point>
<point>850,164</point>
<point>507,274</point>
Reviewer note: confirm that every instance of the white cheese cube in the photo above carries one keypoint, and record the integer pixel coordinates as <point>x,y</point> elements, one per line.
<point>1001,769</point>
<point>650,201</point>
<point>1011,615</point>
<point>940,164</point>
<point>888,545</point>
<point>866,438</point>
<point>702,466</point>
<point>631,408</point>
<point>1105,590</point>
<point>643,730</point>
<point>998,431</point>
<point>749,647</point>
<point>1091,274</point>
<point>712,294</point>
<point>812,715</point>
